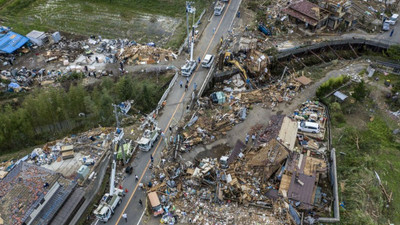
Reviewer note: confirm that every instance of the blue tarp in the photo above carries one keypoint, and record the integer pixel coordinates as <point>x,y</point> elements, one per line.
<point>14,85</point>
<point>11,41</point>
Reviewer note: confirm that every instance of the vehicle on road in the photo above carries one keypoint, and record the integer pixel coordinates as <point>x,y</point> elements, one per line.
<point>218,8</point>
<point>148,139</point>
<point>393,19</point>
<point>385,26</point>
<point>129,170</point>
<point>155,203</point>
<point>207,61</point>
<point>309,127</point>
<point>188,68</point>
<point>108,204</point>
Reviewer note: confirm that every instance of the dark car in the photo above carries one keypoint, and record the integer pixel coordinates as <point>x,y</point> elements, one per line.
<point>128,170</point>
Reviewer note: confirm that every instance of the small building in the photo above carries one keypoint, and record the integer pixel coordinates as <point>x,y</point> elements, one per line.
<point>37,37</point>
<point>307,13</point>
<point>339,95</point>
<point>10,41</point>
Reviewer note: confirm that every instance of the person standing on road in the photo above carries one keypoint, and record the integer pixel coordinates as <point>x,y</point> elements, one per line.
<point>186,87</point>
<point>247,138</point>
<point>181,84</point>
<point>136,177</point>
<point>253,138</point>
<point>187,80</point>
<point>152,159</point>
<point>140,202</point>
<point>198,59</point>
<point>194,86</point>
<point>214,30</point>
<point>391,33</point>
<point>125,216</point>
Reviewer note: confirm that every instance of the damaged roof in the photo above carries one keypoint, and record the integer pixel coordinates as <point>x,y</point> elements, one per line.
<point>305,11</point>
<point>22,190</point>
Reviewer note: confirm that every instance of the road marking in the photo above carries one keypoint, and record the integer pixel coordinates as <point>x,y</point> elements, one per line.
<point>141,217</point>
<point>172,117</point>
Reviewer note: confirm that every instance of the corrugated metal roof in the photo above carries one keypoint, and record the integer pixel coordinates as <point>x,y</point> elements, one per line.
<point>340,95</point>
<point>11,41</point>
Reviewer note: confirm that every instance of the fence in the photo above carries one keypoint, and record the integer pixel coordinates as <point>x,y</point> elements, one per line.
<point>333,174</point>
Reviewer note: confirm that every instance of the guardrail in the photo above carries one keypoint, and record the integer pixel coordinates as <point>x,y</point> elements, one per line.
<point>205,83</point>
<point>371,42</point>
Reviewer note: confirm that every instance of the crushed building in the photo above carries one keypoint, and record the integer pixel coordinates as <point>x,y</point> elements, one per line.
<point>31,194</point>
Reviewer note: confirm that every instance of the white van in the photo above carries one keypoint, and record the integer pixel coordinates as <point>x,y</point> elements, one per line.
<point>309,127</point>
<point>393,19</point>
<point>207,61</point>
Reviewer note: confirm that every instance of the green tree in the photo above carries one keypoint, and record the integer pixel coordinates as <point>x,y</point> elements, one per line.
<point>360,91</point>
<point>125,88</point>
<point>394,52</point>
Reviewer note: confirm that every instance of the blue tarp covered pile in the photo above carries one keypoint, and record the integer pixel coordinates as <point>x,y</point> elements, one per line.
<point>14,87</point>
<point>10,41</point>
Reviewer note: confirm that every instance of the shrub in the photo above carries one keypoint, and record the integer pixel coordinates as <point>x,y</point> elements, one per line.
<point>331,84</point>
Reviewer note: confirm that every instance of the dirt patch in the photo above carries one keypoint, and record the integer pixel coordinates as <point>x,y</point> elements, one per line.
<point>215,152</point>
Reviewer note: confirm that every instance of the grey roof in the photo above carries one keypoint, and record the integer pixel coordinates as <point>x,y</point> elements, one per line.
<point>340,95</point>
<point>302,193</point>
<point>73,203</point>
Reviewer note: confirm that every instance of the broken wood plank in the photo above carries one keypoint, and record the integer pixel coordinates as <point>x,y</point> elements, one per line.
<point>334,52</point>
<point>317,56</point>
<point>355,53</point>
<point>299,60</point>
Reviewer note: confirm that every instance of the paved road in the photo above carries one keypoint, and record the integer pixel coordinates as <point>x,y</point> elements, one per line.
<point>171,114</point>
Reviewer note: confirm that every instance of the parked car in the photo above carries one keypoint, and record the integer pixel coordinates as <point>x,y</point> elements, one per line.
<point>385,26</point>
<point>309,127</point>
<point>207,61</point>
<point>128,170</point>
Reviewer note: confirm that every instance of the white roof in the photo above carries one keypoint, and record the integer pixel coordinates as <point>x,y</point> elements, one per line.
<point>207,57</point>
<point>340,95</point>
<point>36,34</point>
<point>143,141</point>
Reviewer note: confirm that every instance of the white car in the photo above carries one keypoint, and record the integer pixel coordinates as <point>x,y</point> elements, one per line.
<point>309,127</point>
<point>207,61</point>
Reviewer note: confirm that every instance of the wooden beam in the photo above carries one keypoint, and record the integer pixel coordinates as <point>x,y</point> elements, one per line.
<point>355,53</point>
<point>299,60</point>
<point>333,50</point>
<point>317,56</point>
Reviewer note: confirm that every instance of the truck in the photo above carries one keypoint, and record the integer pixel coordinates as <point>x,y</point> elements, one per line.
<point>110,200</point>
<point>108,203</point>
<point>148,139</point>
<point>190,66</point>
<point>218,8</point>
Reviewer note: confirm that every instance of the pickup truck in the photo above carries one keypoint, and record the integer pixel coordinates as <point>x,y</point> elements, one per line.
<point>105,210</point>
<point>218,8</point>
<point>148,139</point>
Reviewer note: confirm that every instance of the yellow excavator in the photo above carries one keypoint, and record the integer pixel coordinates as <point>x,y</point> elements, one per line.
<point>229,59</point>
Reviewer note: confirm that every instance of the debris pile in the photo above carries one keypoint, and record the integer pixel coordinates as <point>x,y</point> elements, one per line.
<point>144,54</point>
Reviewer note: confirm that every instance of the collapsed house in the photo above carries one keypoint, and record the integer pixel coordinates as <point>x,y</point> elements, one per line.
<point>308,14</point>
<point>328,13</point>
<point>31,194</point>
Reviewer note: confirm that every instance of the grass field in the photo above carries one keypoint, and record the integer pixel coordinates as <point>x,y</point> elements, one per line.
<point>140,20</point>
<point>362,136</point>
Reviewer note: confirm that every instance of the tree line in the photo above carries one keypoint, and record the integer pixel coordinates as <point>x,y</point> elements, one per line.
<point>50,113</point>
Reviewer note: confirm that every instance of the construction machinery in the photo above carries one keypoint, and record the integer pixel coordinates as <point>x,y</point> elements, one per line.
<point>218,8</point>
<point>190,65</point>
<point>110,200</point>
<point>228,59</point>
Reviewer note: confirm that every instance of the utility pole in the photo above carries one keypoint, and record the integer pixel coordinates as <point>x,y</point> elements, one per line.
<point>188,10</point>
<point>119,137</point>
